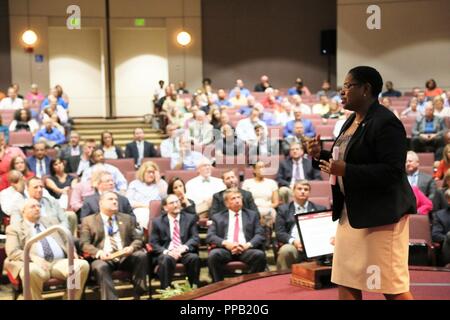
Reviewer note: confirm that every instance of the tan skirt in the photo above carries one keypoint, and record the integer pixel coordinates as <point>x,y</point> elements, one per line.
<point>372,259</point>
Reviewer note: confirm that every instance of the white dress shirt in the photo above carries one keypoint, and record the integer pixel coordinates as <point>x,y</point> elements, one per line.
<point>58,252</point>
<point>200,190</point>
<point>231,223</point>
<point>245,129</point>
<point>107,243</point>
<point>168,147</point>
<point>140,148</point>
<point>119,180</point>
<point>8,103</point>
<point>298,163</point>
<point>83,165</point>
<point>294,232</point>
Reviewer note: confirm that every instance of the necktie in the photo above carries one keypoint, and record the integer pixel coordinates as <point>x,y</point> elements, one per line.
<point>297,171</point>
<point>48,253</point>
<point>176,240</point>
<point>41,169</point>
<point>111,234</point>
<point>236,228</point>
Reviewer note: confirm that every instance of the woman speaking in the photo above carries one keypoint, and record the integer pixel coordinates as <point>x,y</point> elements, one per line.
<point>371,197</point>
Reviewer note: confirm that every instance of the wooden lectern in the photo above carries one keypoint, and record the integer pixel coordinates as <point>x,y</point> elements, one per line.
<point>311,275</point>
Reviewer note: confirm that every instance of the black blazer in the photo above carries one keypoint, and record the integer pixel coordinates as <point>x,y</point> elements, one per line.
<point>160,237</point>
<point>377,191</point>
<point>253,231</point>
<point>73,163</point>
<point>131,151</point>
<point>284,174</point>
<point>441,225</point>
<point>285,219</point>
<point>218,203</point>
<point>91,205</point>
<point>118,149</point>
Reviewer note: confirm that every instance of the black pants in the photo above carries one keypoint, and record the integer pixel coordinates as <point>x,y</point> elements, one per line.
<point>219,257</point>
<point>136,264</point>
<point>419,144</point>
<point>167,264</point>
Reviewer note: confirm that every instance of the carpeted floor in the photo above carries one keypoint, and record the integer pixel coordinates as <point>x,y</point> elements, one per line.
<point>425,285</point>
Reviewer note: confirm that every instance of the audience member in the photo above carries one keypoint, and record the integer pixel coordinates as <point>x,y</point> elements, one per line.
<point>17,163</point>
<point>171,144</point>
<point>50,135</point>
<point>444,164</point>
<point>299,89</point>
<point>139,148</point>
<point>34,96</point>
<point>23,121</point>
<point>322,107</point>
<point>73,148</point>
<point>59,183</point>
<point>244,91</point>
<point>427,132</point>
<point>245,128</point>
<point>440,231</point>
<point>48,256</point>
<point>287,233</point>
<point>12,101</point>
<point>417,178</point>
<point>298,136</point>
<point>412,110</point>
<point>390,92</point>
<point>307,125</point>
<point>200,131</point>
<point>178,188</point>
<point>438,105</point>
<point>78,163</point>
<point>6,154</point>
<point>180,244</point>
<point>263,84</point>
<point>147,187</point>
<point>13,197</point>
<point>326,90</point>
<point>110,150</point>
<point>185,158</point>
<point>39,162</point>
<point>297,102</point>
<point>109,233</point>
<point>432,90</point>
<point>238,100</point>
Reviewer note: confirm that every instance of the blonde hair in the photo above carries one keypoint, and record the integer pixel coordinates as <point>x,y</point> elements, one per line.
<point>140,174</point>
<point>97,177</point>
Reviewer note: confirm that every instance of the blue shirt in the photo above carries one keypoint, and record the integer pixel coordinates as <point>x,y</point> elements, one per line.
<point>429,126</point>
<point>293,91</point>
<point>224,102</point>
<point>54,135</point>
<point>5,131</point>
<point>61,102</point>
<point>307,125</point>
<point>244,91</point>
<point>190,160</point>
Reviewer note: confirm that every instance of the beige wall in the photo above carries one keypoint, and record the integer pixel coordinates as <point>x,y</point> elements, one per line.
<point>412,45</point>
<point>183,63</point>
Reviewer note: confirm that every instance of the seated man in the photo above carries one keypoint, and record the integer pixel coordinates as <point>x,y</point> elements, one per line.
<point>139,148</point>
<point>49,134</point>
<point>73,148</point>
<point>185,158</point>
<point>296,167</point>
<point>286,227</point>
<point>48,256</point>
<point>440,231</point>
<point>428,131</point>
<point>110,233</point>
<point>102,182</point>
<point>49,206</point>
<point>235,234</point>
<point>175,238</point>
<point>201,131</point>
<point>202,188</point>
<point>12,101</point>
<point>298,136</point>
<point>12,198</point>
<point>98,160</point>
<point>231,182</point>
<point>308,127</point>
<point>424,181</point>
<point>245,128</point>
<point>77,164</point>
<point>171,144</point>
<point>39,162</point>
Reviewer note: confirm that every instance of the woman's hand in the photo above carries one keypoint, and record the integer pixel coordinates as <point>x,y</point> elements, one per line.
<point>335,167</point>
<point>157,176</point>
<point>313,147</point>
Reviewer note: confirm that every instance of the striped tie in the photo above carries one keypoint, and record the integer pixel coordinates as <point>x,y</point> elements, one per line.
<point>176,240</point>
<point>111,234</point>
<point>48,252</point>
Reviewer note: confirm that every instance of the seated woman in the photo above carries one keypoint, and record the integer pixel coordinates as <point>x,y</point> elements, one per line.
<point>147,187</point>
<point>265,194</point>
<point>59,182</point>
<point>214,117</point>
<point>444,164</point>
<point>110,150</point>
<point>17,163</point>
<point>178,188</point>
<point>23,121</point>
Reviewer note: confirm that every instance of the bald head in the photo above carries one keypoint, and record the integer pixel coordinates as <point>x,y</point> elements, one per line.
<point>31,210</point>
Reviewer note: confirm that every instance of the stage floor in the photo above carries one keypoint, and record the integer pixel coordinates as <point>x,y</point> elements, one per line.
<point>426,284</point>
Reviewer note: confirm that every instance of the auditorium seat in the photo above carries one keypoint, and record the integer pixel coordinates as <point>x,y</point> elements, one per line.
<point>320,188</point>
<point>163,163</point>
<point>184,175</point>
<point>421,249</point>
<point>426,169</point>
<point>124,165</point>
<point>130,175</point>
<point>323,201</point>
<point>325,131</point>
<point>426,159</point>
<point>7,116</point>
<point>20,138</point>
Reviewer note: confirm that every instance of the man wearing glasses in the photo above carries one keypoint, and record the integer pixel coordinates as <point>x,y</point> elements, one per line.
<point>110,238</point>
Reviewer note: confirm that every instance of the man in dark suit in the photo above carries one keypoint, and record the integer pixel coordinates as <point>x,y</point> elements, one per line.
<point>286,229</point>
<point>296,167</point>
<point>110,238</point>
<point>175,238</point>
<point>230,180</point>
<point>427,134</point>
<point>440,231</point>
<point>73,148</point>
<point>235,234</point>
<point>103,182</point>
<point>423,181</point>
<point>77,164</point>
<point>39,162</point>
<point>139,149</point>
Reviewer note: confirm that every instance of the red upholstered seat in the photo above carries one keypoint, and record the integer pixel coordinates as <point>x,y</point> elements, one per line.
<point>124,165</point>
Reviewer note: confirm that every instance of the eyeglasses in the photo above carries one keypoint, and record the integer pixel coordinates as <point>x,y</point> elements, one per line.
<point>348,86</point>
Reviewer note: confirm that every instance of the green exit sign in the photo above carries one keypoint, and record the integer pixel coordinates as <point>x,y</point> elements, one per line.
<point>75,22</point>
<point>140,22</point>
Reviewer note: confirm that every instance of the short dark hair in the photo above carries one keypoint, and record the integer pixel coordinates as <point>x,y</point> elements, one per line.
<point>366,74</point>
